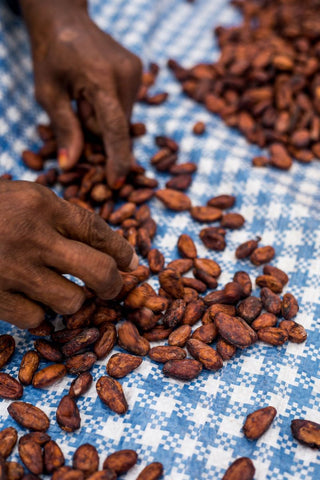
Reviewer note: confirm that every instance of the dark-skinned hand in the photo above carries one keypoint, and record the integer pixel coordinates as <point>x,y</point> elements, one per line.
<point>74,60</point>
<point>44,237</point>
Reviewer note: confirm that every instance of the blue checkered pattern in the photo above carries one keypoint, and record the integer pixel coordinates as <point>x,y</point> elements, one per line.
<point>194,429</point>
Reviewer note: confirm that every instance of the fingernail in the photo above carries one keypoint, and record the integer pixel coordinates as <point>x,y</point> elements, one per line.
<point>134,262</point>
<point>119,183</point>
<point>63,158</point>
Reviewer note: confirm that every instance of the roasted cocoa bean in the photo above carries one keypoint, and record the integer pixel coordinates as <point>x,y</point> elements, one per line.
<point>249,308</point>
<point>130,340</point>
<point>205,354</point>
<point>8,439</point>
<point>240,469</point>
<point>53,457</point>
<point>49,375</point>
<point>29,416</point>
<point>235,330</point>
<point>164,353</point>
<point>7,348</point>
<point>121,364</point>
<point>121,461</point>
<point>258,422</point>
<point>86,459</point>
<point>80,385</point>
<point>179,336</point>
<point>10,388</point>
<point>271,302</point>
<point>111,394</point>
<point>29,365</point>
<point>262,255</point>
<point>306,432</point>
<point>81,362</point>
<point>67,415</point>
<point>289,306</point>
<point>186,369</point>
<point>272,335</point>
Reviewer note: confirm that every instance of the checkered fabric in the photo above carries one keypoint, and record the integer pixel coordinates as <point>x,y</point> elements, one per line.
<point>194,429</point>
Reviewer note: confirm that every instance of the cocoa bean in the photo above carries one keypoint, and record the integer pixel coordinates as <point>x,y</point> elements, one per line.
<point>121,364</point>
<point>262,255</point>
<point>7,348</point>
<point>244,280</point>
<point>225,349</point>
<point>205,354</point>
<point>80,385</point>
<point>111,394</point>
<point>67,415</point>
<point>240,469</point>
<point>31,456</point>
<point>289,306</point>
<point>306,432</point>
<point>271,302</point>
<point>270,282</point>
<point>179,336</point>
<point>249,308</point>
<point>171,281</point>
<point>29,416</point>
<point>10,388</point>
<point>107,340</point>
<point>87,337</point>
<point>222,201</point>
<point>235,330</point>
<point>29,365</point>
<point>121,461</point>
<point>49,375</point>
<point>186,246</point>
<point>258,422</point>
<point>206,214</point>
<point>206,333</point>
<point>264,320</point>
<point>48,351</point>
<point>277,273</point>
<point>272,335</point>
<point>153,471</point>
<point>53,457</point>
<point>156,260</point>
<point>130,340</point>
<point>81,362</point>
<point>186,369</point>
<point>86,459</point>
<point>246,249</point>
<point>182,265</point>
<point>15,471</point>
<point>8,439</point>
<point>164,353</point>
<point>232,221</point>
<point>173,199</point>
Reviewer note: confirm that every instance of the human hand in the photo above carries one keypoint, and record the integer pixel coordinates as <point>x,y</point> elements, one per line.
<point>74,60</point>
<point>43,237</point>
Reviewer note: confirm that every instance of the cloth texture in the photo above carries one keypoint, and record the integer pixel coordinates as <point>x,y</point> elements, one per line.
<point>193,428</point>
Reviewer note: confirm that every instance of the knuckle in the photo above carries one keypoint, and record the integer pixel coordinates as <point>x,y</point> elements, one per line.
<point>132,66</point>
<point>73,303</point>
<point>109,281</point>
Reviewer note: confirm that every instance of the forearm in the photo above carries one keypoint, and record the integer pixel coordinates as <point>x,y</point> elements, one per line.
<point>43,17</point>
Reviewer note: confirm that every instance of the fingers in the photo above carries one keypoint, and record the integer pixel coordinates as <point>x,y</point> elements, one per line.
<point>66,126</point>
<point>97,270</point>
<point>115,132</point>
<point>53,290</point>
<point>83,226</point>
<point>20,311</point>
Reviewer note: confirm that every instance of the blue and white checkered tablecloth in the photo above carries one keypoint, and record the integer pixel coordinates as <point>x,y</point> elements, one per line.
<point>194,429</point>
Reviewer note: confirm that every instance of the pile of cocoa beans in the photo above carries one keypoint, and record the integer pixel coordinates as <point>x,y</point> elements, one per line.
<point>266,82</point>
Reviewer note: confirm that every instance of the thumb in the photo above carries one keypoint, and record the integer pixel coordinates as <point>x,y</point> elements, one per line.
<point>67,129</point>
